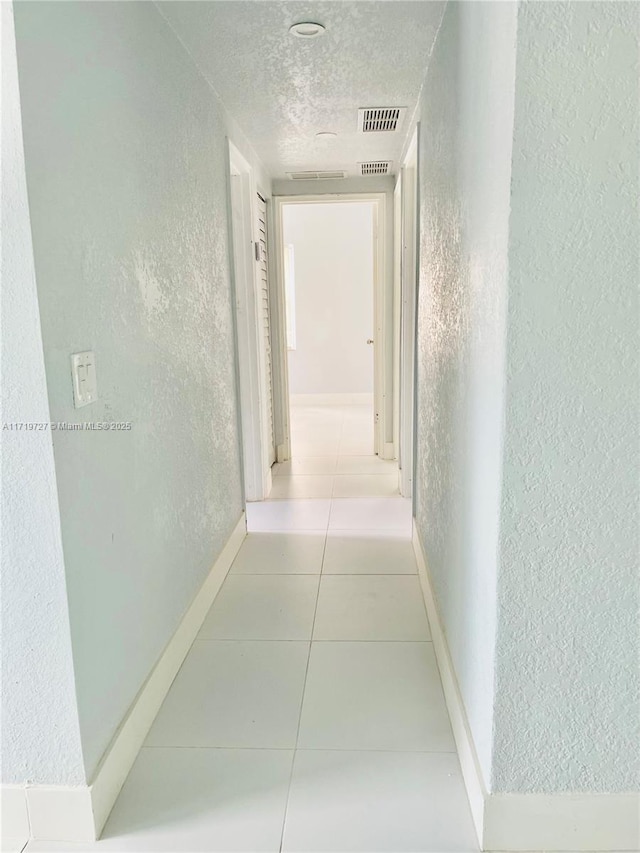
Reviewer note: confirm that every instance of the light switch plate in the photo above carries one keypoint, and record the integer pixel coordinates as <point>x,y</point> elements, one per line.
<point>83,372</point>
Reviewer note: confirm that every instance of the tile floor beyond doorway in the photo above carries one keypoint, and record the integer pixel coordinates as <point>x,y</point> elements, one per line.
<point>309,714</point>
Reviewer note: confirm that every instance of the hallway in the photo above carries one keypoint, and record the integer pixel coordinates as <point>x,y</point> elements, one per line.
<point>234,231</point>
<point>309,714</point>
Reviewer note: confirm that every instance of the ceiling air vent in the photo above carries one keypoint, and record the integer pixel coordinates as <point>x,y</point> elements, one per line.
<point>316,176</point>
<point>375,167</point>
<point>380,119</point>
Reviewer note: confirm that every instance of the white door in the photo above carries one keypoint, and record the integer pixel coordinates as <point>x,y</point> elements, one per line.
<point>264,318</point>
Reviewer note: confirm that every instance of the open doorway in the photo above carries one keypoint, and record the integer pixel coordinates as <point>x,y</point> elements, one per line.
<point>329,303</point>
<point>333,304</point>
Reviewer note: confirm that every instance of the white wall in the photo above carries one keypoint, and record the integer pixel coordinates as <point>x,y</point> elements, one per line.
<point>126,163</point>
<point>466,118</point>
<point>527,494</point>
<point>333,251</point>
<point>40,731</point>
<point>369,184</point>
<point>568,643</point>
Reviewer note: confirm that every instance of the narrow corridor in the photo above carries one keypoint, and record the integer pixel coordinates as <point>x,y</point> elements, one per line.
<point>309,714</point>
<point>230,226</point>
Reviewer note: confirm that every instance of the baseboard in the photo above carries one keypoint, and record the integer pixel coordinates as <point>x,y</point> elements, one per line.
<point>331,399</point>
<point>526,822</point>
<point>118,760</point>
<point>473,780</point>
<point>562,822</point>
<point>13,809</point>
<point>59,813</point>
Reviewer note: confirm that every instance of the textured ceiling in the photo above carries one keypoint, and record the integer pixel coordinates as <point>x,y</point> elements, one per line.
<point>283,90</point>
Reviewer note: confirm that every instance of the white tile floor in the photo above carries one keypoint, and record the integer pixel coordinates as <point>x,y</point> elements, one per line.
<point>13,845</point>
<point>332,449</point>
<point>309,714</point>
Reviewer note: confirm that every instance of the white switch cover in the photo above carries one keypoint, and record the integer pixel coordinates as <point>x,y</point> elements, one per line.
<point>83,371</point>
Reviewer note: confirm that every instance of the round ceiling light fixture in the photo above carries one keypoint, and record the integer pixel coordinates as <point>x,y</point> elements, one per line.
<point>306,30</point>
<point>326,134</point>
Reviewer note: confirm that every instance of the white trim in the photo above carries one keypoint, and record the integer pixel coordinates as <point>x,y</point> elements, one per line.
<point>290,294</point>
<point>383,308</point>
<point>397,310</point>
<point>13,808</point>
<point>562,822</point>
<point>268,416</point>
<point>280,352</point>
<point>471,772</point>
<point>118,760</point>
<point>525,822</point>
<point>381,382</point>
<point>250,346</point>
<point>406,322</point>
<point>332,399</point>
<point>62,813</point>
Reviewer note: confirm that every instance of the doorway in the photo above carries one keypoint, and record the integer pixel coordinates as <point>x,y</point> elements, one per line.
<point>329,304</point>
<point>332,288</point>
<point>334,302</point>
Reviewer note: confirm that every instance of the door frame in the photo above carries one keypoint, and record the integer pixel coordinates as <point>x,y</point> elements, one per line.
<point>251,363</point>
<point>383,316</point>
<point>397,311</point>
<point>406,280</point>
<point>267,374</point>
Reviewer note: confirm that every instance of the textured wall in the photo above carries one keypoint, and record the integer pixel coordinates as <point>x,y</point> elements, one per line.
<point>567,676</point>
<point>372,184</point>
<point>126,169</point>
<point>466,119</point>
<point>333,251</point>
<point>40,732</point>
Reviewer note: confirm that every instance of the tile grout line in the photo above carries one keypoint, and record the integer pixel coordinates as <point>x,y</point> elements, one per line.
<point>304,640</point>
<point>304,749</point>
<point>306,675</point>
<point>334,474</point>
<point>328,574</point>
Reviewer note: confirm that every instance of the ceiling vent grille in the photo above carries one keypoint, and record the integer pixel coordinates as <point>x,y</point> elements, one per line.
<point>375,167</point>
<point>316,176</point>
<point>380,119</point>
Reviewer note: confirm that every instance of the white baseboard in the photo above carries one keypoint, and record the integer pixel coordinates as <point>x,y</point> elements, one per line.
<point>331,399</point>
<point>58,813</point>
<point>526,822</point>
<point>13,809</point>
<point>474,783</point>
<point>118,760</point>
<point>563,822</point>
